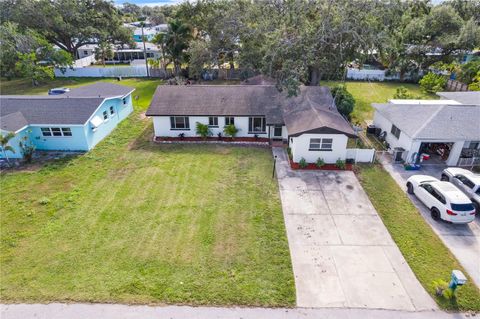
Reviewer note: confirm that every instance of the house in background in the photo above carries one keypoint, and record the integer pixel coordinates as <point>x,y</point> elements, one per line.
<point>309,122</point>
<point>447,130</point>
<point>74,121</point>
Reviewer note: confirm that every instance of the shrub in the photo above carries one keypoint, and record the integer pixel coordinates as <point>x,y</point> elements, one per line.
<point>320,162</point>
<point>203,130</point>
<point>442,289</point>
<point>27,149</point>
<point>340,164</point>
<point>469,71</point>
<point>343,100</point>
<point>44,201</point>
<point>230,130</point>
<point>403,94</point>
<point>303,163</point>
<point>432,83</point>
<point>475,85</point>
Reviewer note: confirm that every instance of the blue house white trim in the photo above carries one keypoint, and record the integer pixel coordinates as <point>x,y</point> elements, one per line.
<point>76,121</point>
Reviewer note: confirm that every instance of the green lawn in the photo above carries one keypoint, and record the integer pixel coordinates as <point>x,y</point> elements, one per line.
<point>428,257</point>
<point>137,222</point>
<point>366,93</point>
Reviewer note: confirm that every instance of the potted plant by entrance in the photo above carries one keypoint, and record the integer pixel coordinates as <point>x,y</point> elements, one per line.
<point>230,130</point>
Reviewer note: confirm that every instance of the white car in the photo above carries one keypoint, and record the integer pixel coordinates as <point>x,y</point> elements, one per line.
<point>444,200</point>
<point>466,181</point>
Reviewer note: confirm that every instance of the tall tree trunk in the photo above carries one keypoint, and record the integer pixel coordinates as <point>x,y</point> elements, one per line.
<point>313,76</point>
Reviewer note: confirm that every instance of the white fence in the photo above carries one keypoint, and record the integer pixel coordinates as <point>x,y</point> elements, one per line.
<point>104,72</point>
<point>375,75</point>
<point>83,62</point>
<point>361,155</point>
<point>471,161</point>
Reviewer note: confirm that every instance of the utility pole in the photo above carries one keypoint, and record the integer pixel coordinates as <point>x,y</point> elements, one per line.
<point>145,51</point>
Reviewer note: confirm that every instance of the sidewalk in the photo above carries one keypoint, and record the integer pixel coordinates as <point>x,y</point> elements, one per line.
<point>115,311</point>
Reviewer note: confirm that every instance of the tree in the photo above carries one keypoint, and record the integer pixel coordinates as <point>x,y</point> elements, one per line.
<point>103,52</point>
<point>4,140</point>
<point>27,148</point>
<point>199,57</point>
<point>70,24</point>
<point>343,100</point>
<point>469,70</point>
<point>175,42</point>
<point>28,66</point>
<point>131,9</point>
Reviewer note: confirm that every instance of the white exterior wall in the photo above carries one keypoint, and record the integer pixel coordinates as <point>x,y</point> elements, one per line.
<point>403,141</point>
<point>300,148</point>
<point>161,125</point>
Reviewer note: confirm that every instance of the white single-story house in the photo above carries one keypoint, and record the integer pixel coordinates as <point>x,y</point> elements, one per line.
<point>309,122</point>
<point>448,130</point>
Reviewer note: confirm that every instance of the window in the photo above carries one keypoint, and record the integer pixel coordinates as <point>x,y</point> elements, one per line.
<point>46,131</point>
<point>105,115</point>
<point>66,131</point>
<point>229,121</point>
<point>320,144</point>
<point>56,131</point>
<point>438,196</point>
<point>85,52</point>
<point>124,101</point>
<point>112,110</point>
<point>462,207</point>
<point>213,121</point>
<point>474,145</point>
<point>256,125</point>
<point>395,131</point>
<point>466,181</point>
<point>179,123</point>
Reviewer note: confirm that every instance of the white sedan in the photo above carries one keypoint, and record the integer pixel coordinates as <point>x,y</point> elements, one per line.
<point>444,200</point>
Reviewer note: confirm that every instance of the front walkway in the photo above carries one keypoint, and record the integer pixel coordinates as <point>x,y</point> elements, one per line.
<point>462,240</point>
<point>113,311</point>
<point>342,254</point>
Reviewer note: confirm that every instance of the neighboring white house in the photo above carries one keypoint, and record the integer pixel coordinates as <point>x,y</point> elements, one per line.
<point>309,122</point>
<point>447,130</point>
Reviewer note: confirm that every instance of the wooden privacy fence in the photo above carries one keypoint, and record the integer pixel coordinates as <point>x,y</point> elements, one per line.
<point>453,85</point>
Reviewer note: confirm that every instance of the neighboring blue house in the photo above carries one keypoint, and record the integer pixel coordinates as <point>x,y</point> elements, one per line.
<point>74,121</point>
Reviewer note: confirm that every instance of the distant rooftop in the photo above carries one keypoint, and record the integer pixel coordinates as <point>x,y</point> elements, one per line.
<point>467,98</point>
<point>424,102</point>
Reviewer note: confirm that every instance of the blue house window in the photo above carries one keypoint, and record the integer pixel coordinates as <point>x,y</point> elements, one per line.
<point>56,131</point>
<point>112,110</point>
<point>125,101</point>
<point>105,115</point>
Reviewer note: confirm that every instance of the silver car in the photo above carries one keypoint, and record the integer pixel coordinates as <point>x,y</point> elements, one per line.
<point>466,181</point>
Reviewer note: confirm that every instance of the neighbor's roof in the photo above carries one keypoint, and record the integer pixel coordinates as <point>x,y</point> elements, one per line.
<point>310,110</point>
<point>449,122</point>
<point>466,98</point>
<point>74,107</point>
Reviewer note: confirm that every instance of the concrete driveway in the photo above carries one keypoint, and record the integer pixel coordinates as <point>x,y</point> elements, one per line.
<point>342,254</point>
<point>462,240</point>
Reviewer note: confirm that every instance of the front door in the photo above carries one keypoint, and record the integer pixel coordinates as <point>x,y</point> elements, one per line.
<point>277,131</point>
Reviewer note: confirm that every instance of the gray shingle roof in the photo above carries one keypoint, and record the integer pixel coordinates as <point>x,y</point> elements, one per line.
<point>467,98</point>
<point>221,100</point>
<point>12,122</point>
<point>48,110</point>
<point>448,122</point>
<point>313,110</point>
<point>310,110</point>
<point>75,107</point>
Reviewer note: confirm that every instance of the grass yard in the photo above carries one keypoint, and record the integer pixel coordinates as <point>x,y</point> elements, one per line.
<point>134,222</point>
<point>366,93</point>
<point>428,257</point>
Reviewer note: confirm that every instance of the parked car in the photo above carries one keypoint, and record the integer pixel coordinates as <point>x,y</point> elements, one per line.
<point>444,200</point>
<point>58,91</point>
<point>466,181</point>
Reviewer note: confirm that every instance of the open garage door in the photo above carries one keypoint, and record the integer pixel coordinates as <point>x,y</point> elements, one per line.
<point>435,153</point>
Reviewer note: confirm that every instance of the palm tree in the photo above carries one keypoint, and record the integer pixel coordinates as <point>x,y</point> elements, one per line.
<point>103,52</point>
<point>175,42</point>
<point>4,139</point>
